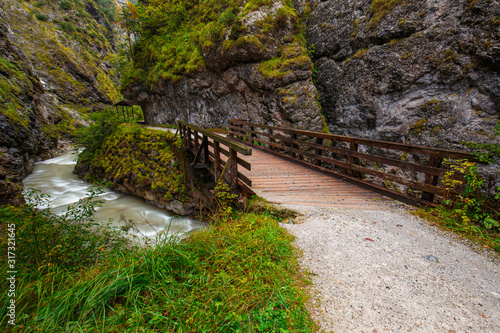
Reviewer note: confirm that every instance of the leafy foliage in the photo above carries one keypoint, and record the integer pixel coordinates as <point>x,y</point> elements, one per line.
<point>92,137</point>
<point>71,241</point>
<point>470,205</point>
<point>467,208</point>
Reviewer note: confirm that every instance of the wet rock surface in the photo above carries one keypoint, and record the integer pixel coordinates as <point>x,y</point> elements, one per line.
<point>419,72</point>
<point>20,144</point>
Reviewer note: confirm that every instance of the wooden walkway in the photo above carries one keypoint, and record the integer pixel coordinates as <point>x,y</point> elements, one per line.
<point>291,166</point>
<point>283,182</point>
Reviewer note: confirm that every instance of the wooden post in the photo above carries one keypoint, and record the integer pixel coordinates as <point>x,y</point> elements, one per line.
<point>252,135</point>
<point>231,133</point>
<point>319,152</point>
<point>206,159</point>
<point>216,161</point>
<point>244,129</point>
<point>189,138</point>
<point>123,115</point>
<point>353,160</point>
<point>196,144</point>
<point>293,145</point>
<point>434,161</point>
<point>233,165</point>
<point>270,133</point>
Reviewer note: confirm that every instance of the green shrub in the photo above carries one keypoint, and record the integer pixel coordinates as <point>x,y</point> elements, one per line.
<point>42,17</point>
<point>67,27</point>
<point>69,241</point>
<point>105,122</point>
<point>66,5</point>
<point>468,208</point>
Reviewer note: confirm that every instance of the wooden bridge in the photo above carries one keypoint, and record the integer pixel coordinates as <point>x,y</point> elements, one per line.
<point>318,169</point>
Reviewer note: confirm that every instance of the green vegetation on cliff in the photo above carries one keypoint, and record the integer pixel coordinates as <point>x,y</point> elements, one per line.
<point>175,36</point>
<point>66,43</point>
<point>130,154</point>
<point>14,82</point>
<point>380,8</point>
<point>142,156</point>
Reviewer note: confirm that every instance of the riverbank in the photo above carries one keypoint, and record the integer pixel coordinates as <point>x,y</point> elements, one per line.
<point>389,271</point>
<point>240,274</point>
<point>148,164</point>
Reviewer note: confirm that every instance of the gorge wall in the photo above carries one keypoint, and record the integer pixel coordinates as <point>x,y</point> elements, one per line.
<point>56,66</point>
<point>420,72</point>
<point>256,67</point>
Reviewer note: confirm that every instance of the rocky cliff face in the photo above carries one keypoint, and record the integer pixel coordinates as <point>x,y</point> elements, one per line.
<point>258,70</point>
<point>54,69</point>
<point>421,72</point>
<point>22,139</point>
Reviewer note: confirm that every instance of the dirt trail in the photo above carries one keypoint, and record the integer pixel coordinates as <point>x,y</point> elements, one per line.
<point>388,271</point>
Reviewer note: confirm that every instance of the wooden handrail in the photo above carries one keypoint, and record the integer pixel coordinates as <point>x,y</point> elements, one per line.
<point>242,149</point>
<point>444,153</point>
<point>290,143</point>
<point>208,154</point>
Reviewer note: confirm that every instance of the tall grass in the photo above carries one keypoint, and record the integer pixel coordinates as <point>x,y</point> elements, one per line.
<point>235,276</point>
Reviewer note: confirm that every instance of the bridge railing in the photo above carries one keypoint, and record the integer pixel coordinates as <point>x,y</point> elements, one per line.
<point>218,154</point>
<point>341,156</point>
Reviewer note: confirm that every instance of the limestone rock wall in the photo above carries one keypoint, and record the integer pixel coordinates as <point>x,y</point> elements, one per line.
<point>54,69</point>
<point>421,72</point>
<point>235,82</point>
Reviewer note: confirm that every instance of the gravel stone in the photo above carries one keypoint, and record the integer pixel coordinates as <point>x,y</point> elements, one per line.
<point>373,271</point>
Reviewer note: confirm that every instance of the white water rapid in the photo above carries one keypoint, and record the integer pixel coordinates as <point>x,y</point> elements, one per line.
<point>55,177</point>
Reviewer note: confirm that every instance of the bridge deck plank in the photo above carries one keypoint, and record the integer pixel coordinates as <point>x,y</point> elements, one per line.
<point>283,182</point>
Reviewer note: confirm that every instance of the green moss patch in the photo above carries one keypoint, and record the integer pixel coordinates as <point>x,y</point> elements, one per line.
<point>174,36</point>
<point>14,83</point>
<point>380,8</point>
<point>143,157</point>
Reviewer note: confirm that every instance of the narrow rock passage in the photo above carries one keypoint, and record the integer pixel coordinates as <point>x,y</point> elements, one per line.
<point>388,271</point>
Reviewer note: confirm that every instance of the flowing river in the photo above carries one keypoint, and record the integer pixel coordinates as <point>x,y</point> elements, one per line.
<point>55,177</point>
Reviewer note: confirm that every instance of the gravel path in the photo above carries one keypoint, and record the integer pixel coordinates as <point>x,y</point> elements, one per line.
<point>388,271</point>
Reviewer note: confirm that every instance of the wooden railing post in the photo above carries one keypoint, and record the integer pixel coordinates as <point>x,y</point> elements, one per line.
<point>293,145</point>
<point>352,160</point>
<point>189,138</point>
<point>252,135</point>
<point>233,168</point>
<point>319,152</point>
<point>435,162</point>
<point>270,133</point>
<point>206,152</point>
<point>216,161</point>
<point>196,144</point>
